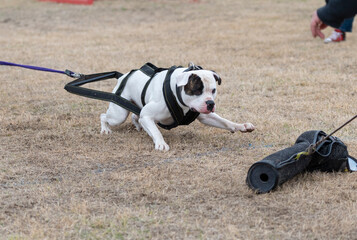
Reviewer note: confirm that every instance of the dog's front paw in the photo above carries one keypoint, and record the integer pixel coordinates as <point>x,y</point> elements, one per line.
<point>162,146</point>
<point>245,127</point>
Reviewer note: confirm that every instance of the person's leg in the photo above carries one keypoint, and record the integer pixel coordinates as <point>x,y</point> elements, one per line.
<point>346,25</point>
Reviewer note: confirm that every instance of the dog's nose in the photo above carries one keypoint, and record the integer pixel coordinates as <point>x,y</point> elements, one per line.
<point>210,105</point>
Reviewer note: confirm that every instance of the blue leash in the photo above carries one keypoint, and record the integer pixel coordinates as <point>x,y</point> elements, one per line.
<point>67,72</point>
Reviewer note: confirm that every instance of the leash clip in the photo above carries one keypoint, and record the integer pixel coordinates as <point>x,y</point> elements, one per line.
<point>73,74</point>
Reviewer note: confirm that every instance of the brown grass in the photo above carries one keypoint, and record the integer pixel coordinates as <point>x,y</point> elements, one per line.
<point>61,179</point>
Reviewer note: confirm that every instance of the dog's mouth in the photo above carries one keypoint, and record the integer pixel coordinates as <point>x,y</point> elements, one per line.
<point>204,112</point>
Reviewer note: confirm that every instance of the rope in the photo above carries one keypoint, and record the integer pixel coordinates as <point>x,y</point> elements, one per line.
<point>312,148</point>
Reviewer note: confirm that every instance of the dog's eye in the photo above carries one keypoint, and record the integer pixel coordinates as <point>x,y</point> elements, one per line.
<point>214,91</point>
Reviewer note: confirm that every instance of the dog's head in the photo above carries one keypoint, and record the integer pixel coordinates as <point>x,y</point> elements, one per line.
<point>198,89</point>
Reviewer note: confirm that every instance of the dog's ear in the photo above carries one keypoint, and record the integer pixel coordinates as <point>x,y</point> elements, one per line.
<point>182,79</point>
<point>218,78</point>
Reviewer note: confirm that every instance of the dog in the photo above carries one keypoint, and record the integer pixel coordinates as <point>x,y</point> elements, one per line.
<point>194,90</point>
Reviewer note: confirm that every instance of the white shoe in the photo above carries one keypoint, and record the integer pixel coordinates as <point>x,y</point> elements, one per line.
<point>336,36</point>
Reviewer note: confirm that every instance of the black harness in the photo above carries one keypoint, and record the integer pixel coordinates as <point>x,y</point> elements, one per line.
<point>148,69</point>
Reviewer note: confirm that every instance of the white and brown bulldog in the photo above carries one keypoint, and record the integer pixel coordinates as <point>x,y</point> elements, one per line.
<point>194,90</point>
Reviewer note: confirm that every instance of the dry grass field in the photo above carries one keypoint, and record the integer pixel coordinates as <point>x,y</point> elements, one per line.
<point>61,179</point>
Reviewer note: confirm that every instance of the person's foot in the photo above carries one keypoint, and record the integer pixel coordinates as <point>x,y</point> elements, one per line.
<point>336,36</point>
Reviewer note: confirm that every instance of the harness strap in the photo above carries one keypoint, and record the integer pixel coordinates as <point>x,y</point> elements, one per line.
<point>74,87</point>
<point>143,93</point>
<point>178,93</point>
<point>174,108</point>
<point>149,69</point>
<point>152,75</point>
<point>123,83</point>
<point>190,117</point>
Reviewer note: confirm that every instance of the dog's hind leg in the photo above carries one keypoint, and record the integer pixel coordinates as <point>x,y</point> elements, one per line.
<point>104,124</point>
<point>135,121</point>
<point>115,116</point>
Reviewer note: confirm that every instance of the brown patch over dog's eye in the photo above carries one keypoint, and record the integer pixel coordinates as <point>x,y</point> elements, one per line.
<point>194,85</point>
